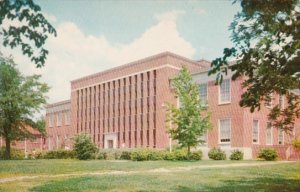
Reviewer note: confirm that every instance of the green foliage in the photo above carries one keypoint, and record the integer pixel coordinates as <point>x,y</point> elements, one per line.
<point>268,154</point>
<point>195,155</point>
<point>16,154</point>
<point>216,154</point>
<point>84,147</point>
<point>296,143</point>
<point>31,31</point>
<point>20,98</point>
<point>55,154</point>
<point>237,155</point>
<point>125,155</point>
<point>186,123</point>
<point>266,43</point>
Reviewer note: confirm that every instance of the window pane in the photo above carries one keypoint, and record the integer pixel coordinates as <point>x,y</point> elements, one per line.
<point>255,131</point>
<point>269,134</point>
<point>225,91</point>
<point>280,137</point>
<point>203,93</point>
<point>224,130</point>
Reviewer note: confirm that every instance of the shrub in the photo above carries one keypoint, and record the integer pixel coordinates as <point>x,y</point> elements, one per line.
<point>268,154</point>
<point>16,154</point>
<point>181,155</point>
<point>216,154</point>
<point>56,154</point>
<point>169,156</point>
<point>140,155</point>
<point>296,144</point>
<point>237,155</point>
<point>84,147</point>
<point>125,155</point>
<point>155,155</point>
<point>195,155</point>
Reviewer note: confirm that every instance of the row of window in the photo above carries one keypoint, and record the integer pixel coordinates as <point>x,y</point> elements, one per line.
<point>225,94</point>
<point>225,133</point>
<point>59,119</point>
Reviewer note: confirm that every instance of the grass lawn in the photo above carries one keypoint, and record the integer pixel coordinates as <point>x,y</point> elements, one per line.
<point>141,176</point>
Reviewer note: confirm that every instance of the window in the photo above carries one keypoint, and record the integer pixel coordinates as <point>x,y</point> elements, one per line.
<point>224,91</point>
<point>204,138</point>
<point>59,119</point>
<point>281,101</point>
<point>269,134</point>
<point>67,118</point>
<point>203,94</point>
<point>268,101</point>
<point>50,120</point>
<point>224,126</point>
<point>255,130</point>
<point>280,137</point>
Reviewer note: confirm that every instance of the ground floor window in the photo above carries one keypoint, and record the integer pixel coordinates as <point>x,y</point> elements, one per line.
<point>280,137</point>
<point>224,130</point>
<point>269,139</point>
<point>255,129</point>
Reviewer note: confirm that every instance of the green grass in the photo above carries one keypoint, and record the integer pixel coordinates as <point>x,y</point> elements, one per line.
<point>279,177</point>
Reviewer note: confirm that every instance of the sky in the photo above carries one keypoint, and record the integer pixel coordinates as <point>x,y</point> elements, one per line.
<point>96,35</point>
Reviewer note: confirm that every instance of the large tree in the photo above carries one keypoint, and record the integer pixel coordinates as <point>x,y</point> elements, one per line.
<point>23,25</point>
<point>189,121</point>
<point>20,98</point>
<point>266,37</point>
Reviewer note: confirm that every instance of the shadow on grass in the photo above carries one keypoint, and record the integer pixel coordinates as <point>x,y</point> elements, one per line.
<point>265,184</point>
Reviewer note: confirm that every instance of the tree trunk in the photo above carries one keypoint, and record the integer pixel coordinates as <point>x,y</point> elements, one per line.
<point>7,148</point>
<point>189,150</point>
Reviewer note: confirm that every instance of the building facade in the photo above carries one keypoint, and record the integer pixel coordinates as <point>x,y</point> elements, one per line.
<point>124,108</point>
<point>235,127</point>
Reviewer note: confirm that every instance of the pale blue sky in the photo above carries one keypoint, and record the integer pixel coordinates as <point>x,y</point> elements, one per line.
<point>96,35</point>
<point>203,23</point>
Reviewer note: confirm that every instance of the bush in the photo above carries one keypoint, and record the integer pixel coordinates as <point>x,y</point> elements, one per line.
<point>268,154</point>
<point>56,154</point>
<point>181,155</point>
<point>140,155</point>
<point>84,147</point>
<point>16,154</point>
<point>237,155</point>
<point>125,155</point>
<point>195,155</point>
<point>216,154</point>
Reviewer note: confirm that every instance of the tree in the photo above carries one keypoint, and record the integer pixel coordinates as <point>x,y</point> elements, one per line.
<point>266,41</point>
<point>84,147</point>
<point>20,98</point>
<point>191,119</point>
<point>30,32</point>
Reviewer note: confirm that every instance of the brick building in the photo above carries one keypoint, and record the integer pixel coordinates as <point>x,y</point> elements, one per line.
<point>235,127</point>
<point>123,108</point>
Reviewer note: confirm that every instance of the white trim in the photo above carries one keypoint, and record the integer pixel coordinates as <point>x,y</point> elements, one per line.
<point>257,131</point>
<point>219,90</point>
<point>132,74</point>
<point>219,135</point>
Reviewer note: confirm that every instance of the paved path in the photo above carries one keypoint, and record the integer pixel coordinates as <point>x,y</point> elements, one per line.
<point>158,170</point>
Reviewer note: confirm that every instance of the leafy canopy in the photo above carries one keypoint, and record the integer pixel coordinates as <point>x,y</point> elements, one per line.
<point>23,25</point>
<point>190,121</point>
<point>266,37</point>
<point>20,98</point>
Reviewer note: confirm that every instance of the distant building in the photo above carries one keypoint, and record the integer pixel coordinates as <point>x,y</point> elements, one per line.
<point>124,108</point>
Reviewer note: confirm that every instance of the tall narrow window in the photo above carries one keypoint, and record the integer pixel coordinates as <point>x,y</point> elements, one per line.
<point>67,118</point>
<point>269,139</point>
<point>224,126</point>
<point>59,119</point>
<point>268,100</point>
<point>255,129</point>
<point>203,94</point>
<point>280,137</point>
<point>281,101</point>
<point>225,91</point>
<point>51,120</point>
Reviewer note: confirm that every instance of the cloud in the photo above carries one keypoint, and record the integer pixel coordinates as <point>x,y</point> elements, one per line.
<point>73,54</point>
<point>200,11</point>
